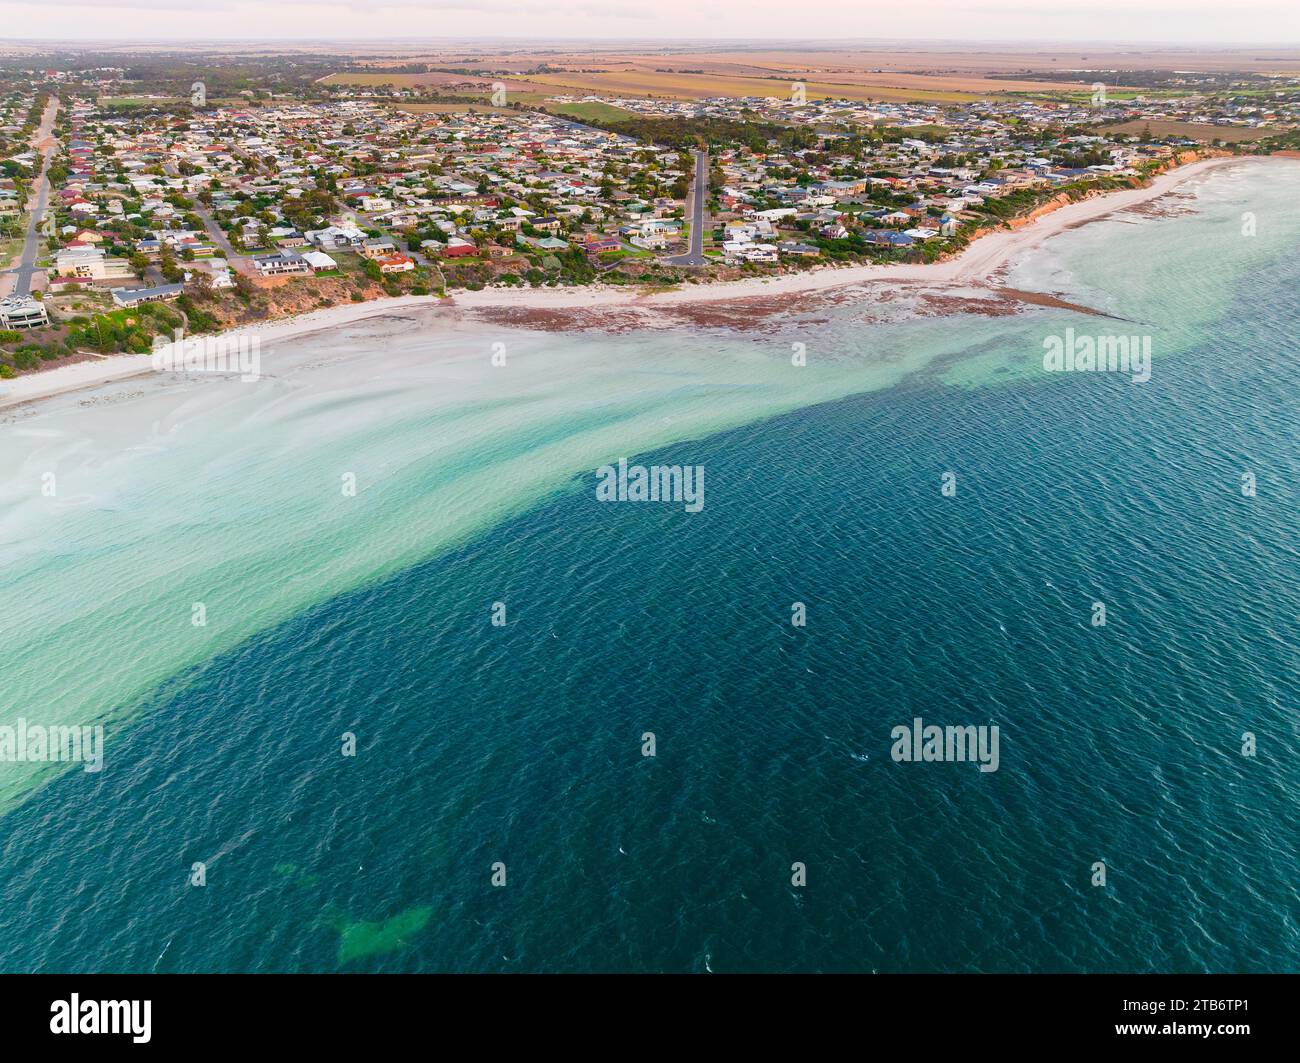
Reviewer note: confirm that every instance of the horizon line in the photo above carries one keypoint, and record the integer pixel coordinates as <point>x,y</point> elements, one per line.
<point>828,43</point>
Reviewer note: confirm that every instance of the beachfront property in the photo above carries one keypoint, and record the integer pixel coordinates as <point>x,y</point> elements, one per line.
<point>281,263</point>
<point>22,312</point>
<point>456,247</point>
<point>319,261</point>
<point>396,263</point>
<point>128,297</point>
<point>376,248</point>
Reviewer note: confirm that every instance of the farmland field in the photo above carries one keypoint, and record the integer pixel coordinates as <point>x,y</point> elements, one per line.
<point>638,79</point>
<point>836,74</point>
<point>699,86</point>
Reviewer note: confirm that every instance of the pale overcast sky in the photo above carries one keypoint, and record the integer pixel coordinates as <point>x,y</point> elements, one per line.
<point>1171,21</point>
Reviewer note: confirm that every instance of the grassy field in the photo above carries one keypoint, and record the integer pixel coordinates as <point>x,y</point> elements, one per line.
<point>1193,130</point>
<point>1083,95</point>
<point>513,95</point>
<point>131,103</point>
<point>529,98</point>
<point>127,103</point>
<point>600,112</point>
<point>1260,92</point>
<point>534,88</point>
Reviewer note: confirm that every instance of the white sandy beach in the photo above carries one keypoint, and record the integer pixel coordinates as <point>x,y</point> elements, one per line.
<point>111,368</point>
<point>977,263</point>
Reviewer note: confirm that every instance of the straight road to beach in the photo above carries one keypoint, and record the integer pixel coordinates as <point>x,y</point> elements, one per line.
<point>699,197</point>
<point>18,281</point>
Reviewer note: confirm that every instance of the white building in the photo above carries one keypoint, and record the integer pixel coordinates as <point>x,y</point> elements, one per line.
<point>281,263</point>
<point>92,262</point>
<point>333,237</point>
<point>22,312</point>
<point>319,261</point>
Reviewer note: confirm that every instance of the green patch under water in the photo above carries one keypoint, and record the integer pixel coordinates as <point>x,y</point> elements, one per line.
<point>357,940</point>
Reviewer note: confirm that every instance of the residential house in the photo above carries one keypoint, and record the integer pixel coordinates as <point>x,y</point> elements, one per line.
<point>396,263</point>
<point>22,312</point>
<point>128,297</point>
<point>319,261</point>
<point>281,263</point>
<point>377,247</point>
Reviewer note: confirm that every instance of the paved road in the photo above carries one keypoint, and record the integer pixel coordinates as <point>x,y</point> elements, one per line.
<point>699,197</point>
<point>239,263</point>
<point>20,277</point>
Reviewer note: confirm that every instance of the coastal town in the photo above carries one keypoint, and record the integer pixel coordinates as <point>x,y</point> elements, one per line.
<point>126,214</point>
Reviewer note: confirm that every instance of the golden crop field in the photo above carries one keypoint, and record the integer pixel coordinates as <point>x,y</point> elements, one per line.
<point>699,86</point>
<point>354,77</point>
<point>833,69</point>
<point>640,82</point>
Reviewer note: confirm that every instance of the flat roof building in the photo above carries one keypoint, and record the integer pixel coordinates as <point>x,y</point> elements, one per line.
<point>22,312</point>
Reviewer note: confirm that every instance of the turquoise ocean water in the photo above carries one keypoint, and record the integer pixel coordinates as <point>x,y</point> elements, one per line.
<point>370,614</point>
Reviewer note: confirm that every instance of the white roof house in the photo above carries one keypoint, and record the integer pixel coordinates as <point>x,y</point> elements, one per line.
<point>318,260</point>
